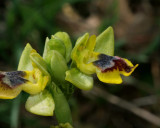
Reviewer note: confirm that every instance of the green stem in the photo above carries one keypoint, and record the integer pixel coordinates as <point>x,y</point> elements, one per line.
<point>15,112</point>
<point>62,109</point>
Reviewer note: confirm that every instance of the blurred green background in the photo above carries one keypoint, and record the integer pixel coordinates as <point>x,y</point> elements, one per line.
<point>136,25</point>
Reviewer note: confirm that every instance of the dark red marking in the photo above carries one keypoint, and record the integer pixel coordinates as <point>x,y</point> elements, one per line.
<point>1,76</point>
<point>119,64</point>
<point>109,63</point>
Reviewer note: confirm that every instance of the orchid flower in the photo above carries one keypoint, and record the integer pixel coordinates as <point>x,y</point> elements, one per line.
<point>95,55</point>
<point>31,81</point>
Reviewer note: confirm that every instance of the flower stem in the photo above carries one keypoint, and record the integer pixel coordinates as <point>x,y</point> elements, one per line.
<point>15,112</point>
<point>62,109</point>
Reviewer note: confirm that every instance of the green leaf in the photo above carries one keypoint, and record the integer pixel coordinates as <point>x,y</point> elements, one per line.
<point>105,42</point>
<point>79,79</point>
<point>41,104</point>
<point>67,42</point>
<point>25,62</point>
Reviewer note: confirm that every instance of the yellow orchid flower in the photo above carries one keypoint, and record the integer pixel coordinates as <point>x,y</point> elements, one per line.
<point>89,61</point>
<point>31,80</point>
<point>12,83</point>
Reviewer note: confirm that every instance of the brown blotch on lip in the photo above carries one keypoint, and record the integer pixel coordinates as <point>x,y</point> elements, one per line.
<point>1,76</point>
<point>109,63</point>
<point>12,79</point>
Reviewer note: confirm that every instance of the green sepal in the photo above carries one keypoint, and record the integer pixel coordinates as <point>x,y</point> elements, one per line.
<point>79,79</point>
<point>67,42</point>
<point>105,42</point>
<point>25,63</point>
<point>58,66</point>
<point>80,44</point>
<point>62,109</point>
<point>45,48</point>
<point>41,104</point>
<point>39,62</point>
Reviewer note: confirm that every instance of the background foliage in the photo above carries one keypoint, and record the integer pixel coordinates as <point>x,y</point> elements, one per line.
<point>136,25</point>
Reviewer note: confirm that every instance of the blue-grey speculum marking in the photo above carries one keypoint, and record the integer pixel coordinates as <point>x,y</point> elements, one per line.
<point>13,79</point>
<point>104,61</point>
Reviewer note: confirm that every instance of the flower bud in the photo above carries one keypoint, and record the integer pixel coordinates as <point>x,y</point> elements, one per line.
<point>67,42</point>
<point>57,44</point>
<point>54,44</point>
<point>58,66</point>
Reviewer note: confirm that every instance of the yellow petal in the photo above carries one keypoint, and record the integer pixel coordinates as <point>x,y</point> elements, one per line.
<point>8,93</point>
<point>112,77</point>
<point>113,64</point>
<point>91,43</point>
<point>36,82</point>
<point>130,65</point>
<point>83,63</point>
<point>11,84</point>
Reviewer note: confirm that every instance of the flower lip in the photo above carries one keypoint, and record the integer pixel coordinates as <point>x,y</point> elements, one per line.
<point>108,63</point>
<point>12,79</point>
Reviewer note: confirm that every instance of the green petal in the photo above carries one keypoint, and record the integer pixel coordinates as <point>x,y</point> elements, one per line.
<point>79,79</point>
<point>67,42</point>
<point>41,104</point>
<point>105,42</point>
<point>58,66</point>
<point>25,63</point>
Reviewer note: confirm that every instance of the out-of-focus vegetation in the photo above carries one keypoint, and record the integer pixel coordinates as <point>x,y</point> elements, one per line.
<point>136,25</point>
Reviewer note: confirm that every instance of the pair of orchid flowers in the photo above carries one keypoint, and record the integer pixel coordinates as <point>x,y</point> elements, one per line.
<point>63,67</point>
